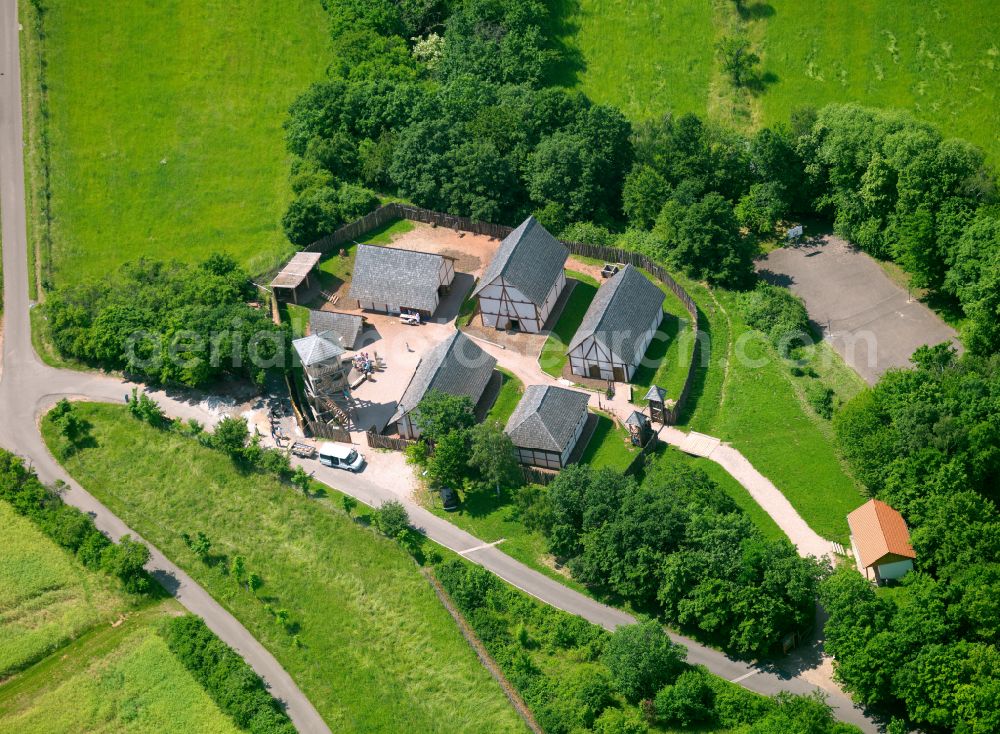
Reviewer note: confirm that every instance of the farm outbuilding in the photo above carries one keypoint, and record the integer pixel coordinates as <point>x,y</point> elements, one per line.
<point>547,424</point>
<point>342,328</point>
<point>617,328</point>
<point>880,541</point>
<point>392,280</point>
<point>523,280</point>
<point>293,279</point>
<point>457,366</point>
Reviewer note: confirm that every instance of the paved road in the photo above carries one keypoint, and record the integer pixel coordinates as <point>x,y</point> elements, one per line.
<point>28,387</point>
<point>871,322</point>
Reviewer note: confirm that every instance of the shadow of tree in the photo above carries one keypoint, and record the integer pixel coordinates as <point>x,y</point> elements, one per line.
<point>559,30</point>
<point>755,11</point>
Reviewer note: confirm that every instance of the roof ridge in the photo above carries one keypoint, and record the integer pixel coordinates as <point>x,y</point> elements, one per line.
<point>404,249</point>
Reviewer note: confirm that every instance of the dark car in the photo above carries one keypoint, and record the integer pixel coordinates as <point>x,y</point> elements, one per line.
<point>449,499</point>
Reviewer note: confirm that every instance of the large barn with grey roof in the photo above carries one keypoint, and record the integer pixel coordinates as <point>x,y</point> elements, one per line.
<point>523,280</point>
<point>617,328</point>
<point>391,280</point>
<point>457,366</point>
<point>547,424</point>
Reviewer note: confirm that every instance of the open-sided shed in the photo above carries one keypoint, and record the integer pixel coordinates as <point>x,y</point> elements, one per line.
<point>287,283</point>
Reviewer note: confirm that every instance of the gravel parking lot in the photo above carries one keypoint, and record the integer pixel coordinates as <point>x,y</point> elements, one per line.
<point>872,323</point>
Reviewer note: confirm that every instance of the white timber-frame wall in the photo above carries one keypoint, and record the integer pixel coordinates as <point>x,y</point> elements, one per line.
<point>502,306</point>
<point>591,358</point>
<point>551,459</point>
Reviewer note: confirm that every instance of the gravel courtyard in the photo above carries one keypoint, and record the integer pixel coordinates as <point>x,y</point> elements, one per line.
<point>871,322</point>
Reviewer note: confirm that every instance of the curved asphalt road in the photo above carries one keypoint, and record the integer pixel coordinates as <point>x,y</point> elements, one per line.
<point>28,387</point>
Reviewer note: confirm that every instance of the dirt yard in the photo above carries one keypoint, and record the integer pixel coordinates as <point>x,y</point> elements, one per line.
<point>872,322</point>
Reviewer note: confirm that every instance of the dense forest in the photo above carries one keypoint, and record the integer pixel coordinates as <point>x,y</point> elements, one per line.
<point>169,323</point>
<point>449,105</point>
<point>677,545</point>
<point>927,440</point>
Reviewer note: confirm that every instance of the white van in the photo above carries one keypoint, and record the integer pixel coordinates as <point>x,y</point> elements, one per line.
<point>341,457</point>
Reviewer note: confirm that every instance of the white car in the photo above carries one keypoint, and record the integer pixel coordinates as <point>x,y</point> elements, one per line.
<point>410,319</point>
<point>341,457</point>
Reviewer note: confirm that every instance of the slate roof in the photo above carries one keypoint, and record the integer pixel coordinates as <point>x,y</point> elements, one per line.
<point>530,259</point>
<point>315,348</point>
<point>405,278</point>
<point>620,314</point>
<point>341,328</point>
<point>879,531</point>
<point>457,366</point>
<point>546,418</point>
<point>655,393</point>
<point>637,419</point>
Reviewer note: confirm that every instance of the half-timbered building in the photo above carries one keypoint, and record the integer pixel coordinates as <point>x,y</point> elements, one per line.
<point>617,328</point>
<point>457,366</point>
<point>391,280</point>
<point>547,424</point>
<point>523,280</point>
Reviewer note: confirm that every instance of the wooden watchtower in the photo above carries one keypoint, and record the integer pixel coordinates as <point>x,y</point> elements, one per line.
<point>657,399</point>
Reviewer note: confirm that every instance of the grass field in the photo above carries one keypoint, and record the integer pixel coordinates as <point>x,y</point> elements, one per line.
<point>122,679</point>
<point>748,397</point>
<point>552,358</point>
<point>507,399</point>
<point>938,58</point>
<point>609,446</point>
<point>647,57</point>
<point>370,644</point>
<point>46,598</point>
<point>165,127</point>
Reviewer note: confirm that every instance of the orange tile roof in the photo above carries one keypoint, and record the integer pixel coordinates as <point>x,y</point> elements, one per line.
<point>879,531</point>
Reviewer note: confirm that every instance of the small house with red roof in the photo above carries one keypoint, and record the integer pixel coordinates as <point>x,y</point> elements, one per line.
<point>880,541</point>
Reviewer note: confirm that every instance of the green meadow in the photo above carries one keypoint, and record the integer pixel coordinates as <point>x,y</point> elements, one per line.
<point>744,394</point>
<point>165,127</point>
<point>938,58</point>
<point>46,598</point>
<point>365,637</point>
<point>77,654</point>
<point>121,679</point>
<point>647,56</point>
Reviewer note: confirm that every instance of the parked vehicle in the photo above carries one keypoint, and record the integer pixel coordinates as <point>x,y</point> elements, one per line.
<point>410,319</point>
<point>449,499</point>
<point>303,450</point>
<point>341,457</point>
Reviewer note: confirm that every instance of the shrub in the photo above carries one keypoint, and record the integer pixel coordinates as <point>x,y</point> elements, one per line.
<point>126,560</point>
<point>642,659</point>
<point>688,701</point>
<point>820,399</point>
<point>391,518</point>
<point>616,721</point>
<point>777,313</point>
<point>231,435</point>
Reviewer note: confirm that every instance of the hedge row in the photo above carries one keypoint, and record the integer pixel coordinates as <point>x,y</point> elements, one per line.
<point>231,683</point>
